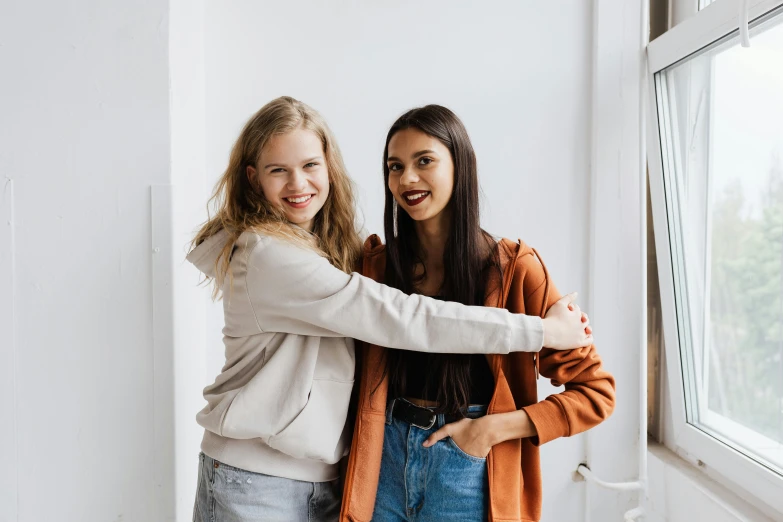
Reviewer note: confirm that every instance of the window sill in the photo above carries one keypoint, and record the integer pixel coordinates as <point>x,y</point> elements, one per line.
<point>677,490</point>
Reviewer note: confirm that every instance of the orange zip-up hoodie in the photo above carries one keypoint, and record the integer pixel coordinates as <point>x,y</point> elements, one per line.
<point>514,466</point>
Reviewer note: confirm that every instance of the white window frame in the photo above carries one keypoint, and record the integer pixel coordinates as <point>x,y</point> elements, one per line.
<point>704,28</point>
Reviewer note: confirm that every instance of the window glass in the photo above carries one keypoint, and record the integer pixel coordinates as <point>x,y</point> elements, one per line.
<point>721,121</point>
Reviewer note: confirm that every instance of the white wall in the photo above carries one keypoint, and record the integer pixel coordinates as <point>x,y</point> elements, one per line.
<point>519,74</point>
<point>84,133</point>
<point>188,194</point>
<point>617,255</point>
<point>519,82</point>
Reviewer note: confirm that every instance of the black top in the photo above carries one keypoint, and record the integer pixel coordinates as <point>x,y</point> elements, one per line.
<point>482,382</point>
<point>418,364</point>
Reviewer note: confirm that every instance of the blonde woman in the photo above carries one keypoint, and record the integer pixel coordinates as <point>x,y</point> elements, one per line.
<point>281,249</point>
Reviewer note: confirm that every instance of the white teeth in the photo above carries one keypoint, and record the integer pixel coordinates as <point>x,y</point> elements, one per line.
<point>299,200</point>
<point>416,196</point>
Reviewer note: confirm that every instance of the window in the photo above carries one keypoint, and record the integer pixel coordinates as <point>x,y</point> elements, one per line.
<point>717,197</point>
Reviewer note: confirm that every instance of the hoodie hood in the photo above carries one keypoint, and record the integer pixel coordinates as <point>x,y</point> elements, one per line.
<point>510,254</point>
<point>205,256</point>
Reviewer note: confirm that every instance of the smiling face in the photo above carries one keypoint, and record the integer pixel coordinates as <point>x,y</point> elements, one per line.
<point>421,174</point>
<point>292,174</point>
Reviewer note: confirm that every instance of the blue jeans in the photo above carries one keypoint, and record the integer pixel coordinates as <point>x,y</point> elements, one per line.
<point>420,484</point>
<point>228,494</point>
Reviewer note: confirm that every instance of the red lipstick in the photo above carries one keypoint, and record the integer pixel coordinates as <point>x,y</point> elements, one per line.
<point>422,195</point>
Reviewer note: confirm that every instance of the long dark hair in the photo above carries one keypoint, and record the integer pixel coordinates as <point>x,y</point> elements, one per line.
<point>466,250</point>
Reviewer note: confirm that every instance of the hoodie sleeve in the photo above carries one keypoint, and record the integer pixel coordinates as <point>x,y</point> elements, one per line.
<point>589,395</point>
<point>296,291</point>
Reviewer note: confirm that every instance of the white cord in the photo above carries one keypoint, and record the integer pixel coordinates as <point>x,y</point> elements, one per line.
<point>621,486</point>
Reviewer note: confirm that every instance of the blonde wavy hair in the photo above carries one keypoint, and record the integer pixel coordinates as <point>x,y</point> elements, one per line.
<point>236,206</point>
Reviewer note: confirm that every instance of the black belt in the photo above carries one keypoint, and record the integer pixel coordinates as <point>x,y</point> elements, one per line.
<point>424,418</point>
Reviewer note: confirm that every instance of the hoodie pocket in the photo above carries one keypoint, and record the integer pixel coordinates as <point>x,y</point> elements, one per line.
<point>317,432</point>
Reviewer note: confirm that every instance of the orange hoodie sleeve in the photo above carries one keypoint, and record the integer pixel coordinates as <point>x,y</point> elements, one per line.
<point>589,394</point>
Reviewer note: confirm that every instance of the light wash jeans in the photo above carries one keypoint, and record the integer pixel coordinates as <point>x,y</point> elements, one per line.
<point>419,484</point>
<point>229,494</point>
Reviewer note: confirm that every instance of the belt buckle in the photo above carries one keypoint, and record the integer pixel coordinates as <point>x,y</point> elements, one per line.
<point>417,411</point>
<point>433,418</point>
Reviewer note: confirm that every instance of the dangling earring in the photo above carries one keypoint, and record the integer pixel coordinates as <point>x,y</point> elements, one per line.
<point>394,215</point>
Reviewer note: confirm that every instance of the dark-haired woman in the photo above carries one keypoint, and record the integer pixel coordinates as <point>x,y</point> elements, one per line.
<point>456,437</point>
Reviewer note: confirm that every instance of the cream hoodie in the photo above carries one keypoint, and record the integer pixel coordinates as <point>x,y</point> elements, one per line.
<point>279,405</point>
